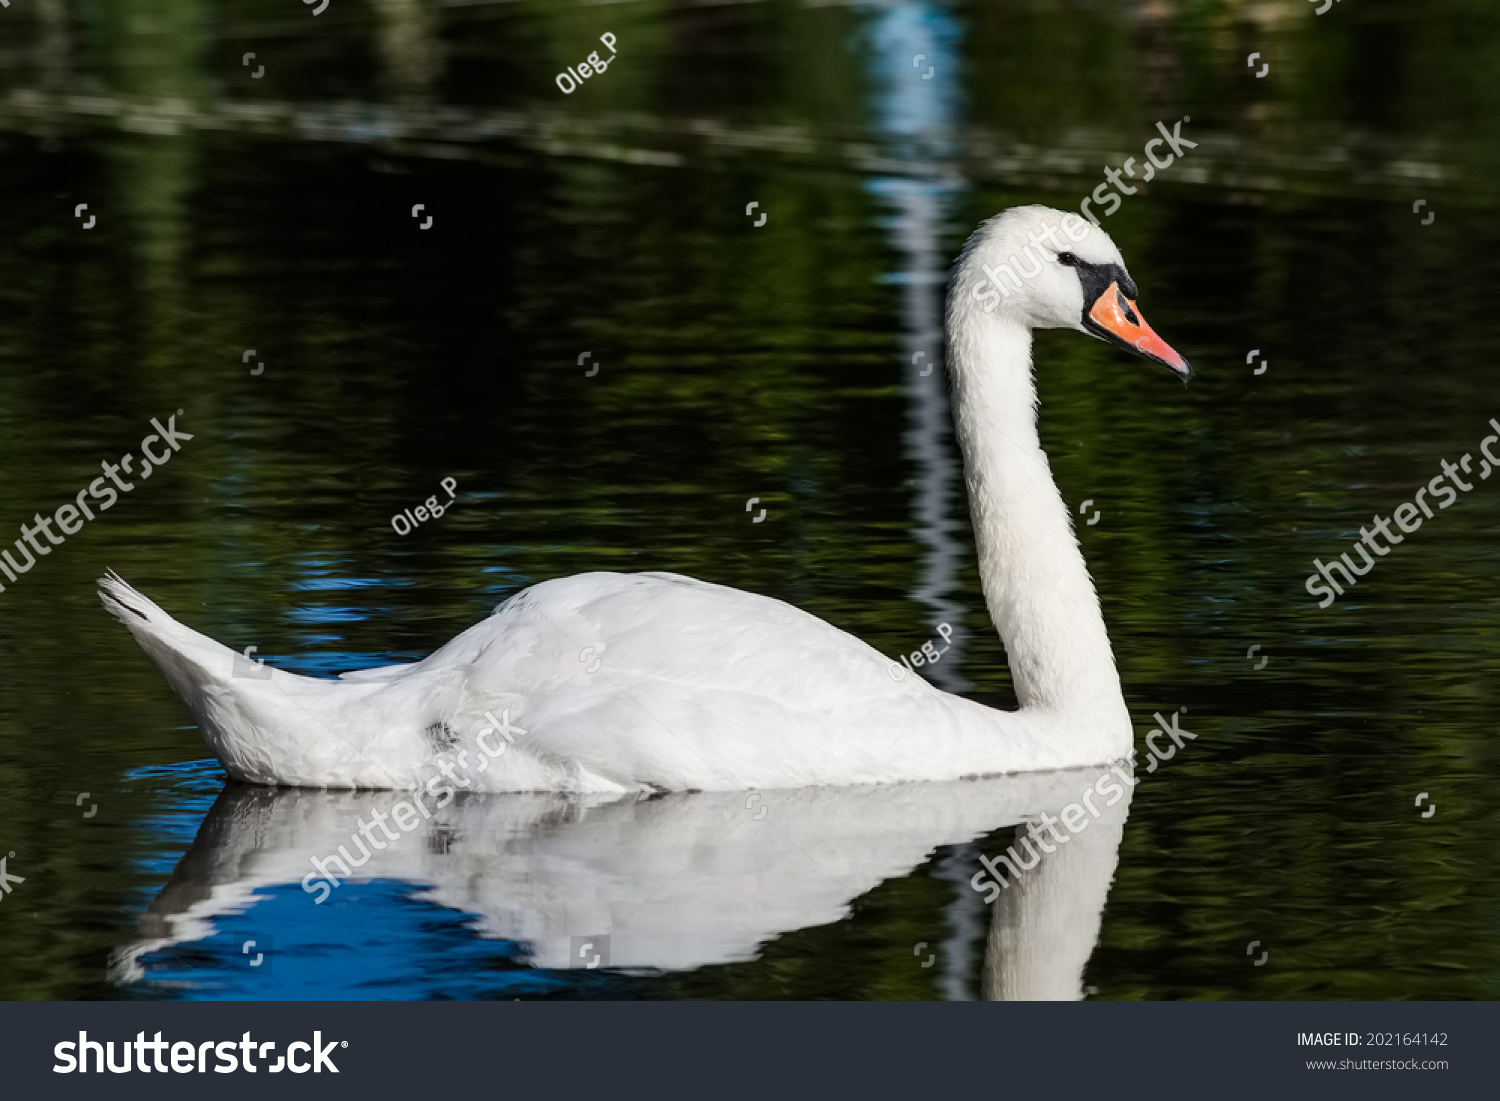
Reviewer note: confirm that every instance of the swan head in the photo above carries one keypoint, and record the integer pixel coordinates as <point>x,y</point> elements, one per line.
<point>1047,269</point>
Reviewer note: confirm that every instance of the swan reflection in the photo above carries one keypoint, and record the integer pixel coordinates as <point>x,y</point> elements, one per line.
<point>674,882</point>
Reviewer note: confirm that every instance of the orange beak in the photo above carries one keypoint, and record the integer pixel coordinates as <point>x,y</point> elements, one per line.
<point>1115,319</point>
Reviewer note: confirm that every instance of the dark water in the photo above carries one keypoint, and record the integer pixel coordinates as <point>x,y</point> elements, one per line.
<point>274,214</point>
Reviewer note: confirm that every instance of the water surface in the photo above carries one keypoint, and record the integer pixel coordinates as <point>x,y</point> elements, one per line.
<point>244,222</point>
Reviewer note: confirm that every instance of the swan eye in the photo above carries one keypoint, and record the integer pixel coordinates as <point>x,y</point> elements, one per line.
<point>1067,258</point>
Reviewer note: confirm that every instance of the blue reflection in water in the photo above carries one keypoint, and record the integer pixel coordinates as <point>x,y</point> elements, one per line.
<point>374,939</point>
<point>919,117</point>
<point>918,110</point>
<point>371,940</point>
<point>917,107</point>
<point>190,790</point>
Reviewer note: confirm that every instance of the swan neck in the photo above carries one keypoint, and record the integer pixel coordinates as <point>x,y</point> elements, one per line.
<point>1036,584</point>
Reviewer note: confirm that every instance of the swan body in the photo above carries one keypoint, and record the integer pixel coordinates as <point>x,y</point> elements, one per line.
<point>698,687</point>
<point>606,683</point>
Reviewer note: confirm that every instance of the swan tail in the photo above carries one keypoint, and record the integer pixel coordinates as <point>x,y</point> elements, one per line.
<point>172,645</point>
<point>178,649</point>
<point>233,697</point>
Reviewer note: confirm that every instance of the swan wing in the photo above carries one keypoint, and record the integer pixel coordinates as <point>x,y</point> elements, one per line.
<point>656,680</point>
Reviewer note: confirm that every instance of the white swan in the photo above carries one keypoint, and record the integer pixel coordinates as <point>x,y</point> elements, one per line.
<point>609,682</point>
